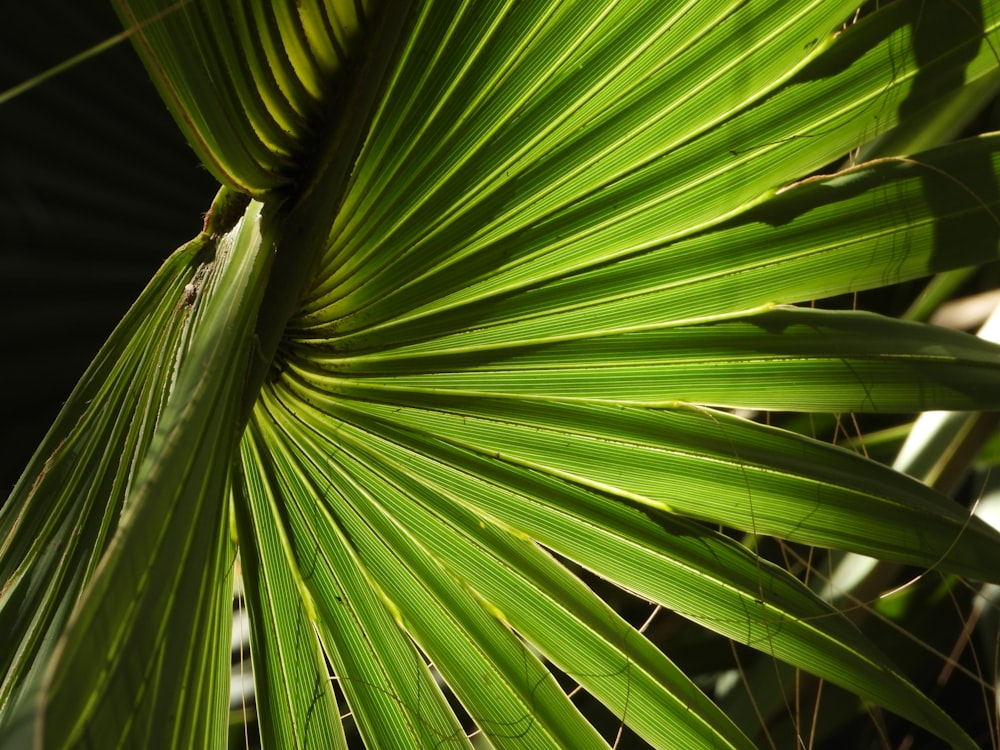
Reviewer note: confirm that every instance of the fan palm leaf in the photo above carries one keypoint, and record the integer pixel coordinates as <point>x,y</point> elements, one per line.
<point>469,311</point>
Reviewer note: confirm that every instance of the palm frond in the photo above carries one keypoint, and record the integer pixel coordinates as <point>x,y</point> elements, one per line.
<point>511,263</point>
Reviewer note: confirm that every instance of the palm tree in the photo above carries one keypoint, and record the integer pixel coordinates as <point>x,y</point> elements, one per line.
<point>470,341</point>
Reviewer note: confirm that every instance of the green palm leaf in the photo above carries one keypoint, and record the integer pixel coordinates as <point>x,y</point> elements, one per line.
<point>511,260</point>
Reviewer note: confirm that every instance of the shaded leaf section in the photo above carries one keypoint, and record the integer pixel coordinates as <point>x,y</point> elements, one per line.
<point>134,665</point>
<point>251,84</point>
<point>61,516</point>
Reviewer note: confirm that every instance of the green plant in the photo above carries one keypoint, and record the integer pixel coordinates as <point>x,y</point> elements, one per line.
<point>471,308</point>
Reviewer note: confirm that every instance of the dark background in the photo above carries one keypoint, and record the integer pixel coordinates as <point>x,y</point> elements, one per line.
<point>97,187</point>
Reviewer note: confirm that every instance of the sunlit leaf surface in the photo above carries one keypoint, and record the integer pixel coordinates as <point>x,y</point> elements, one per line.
<point>519,276</point>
